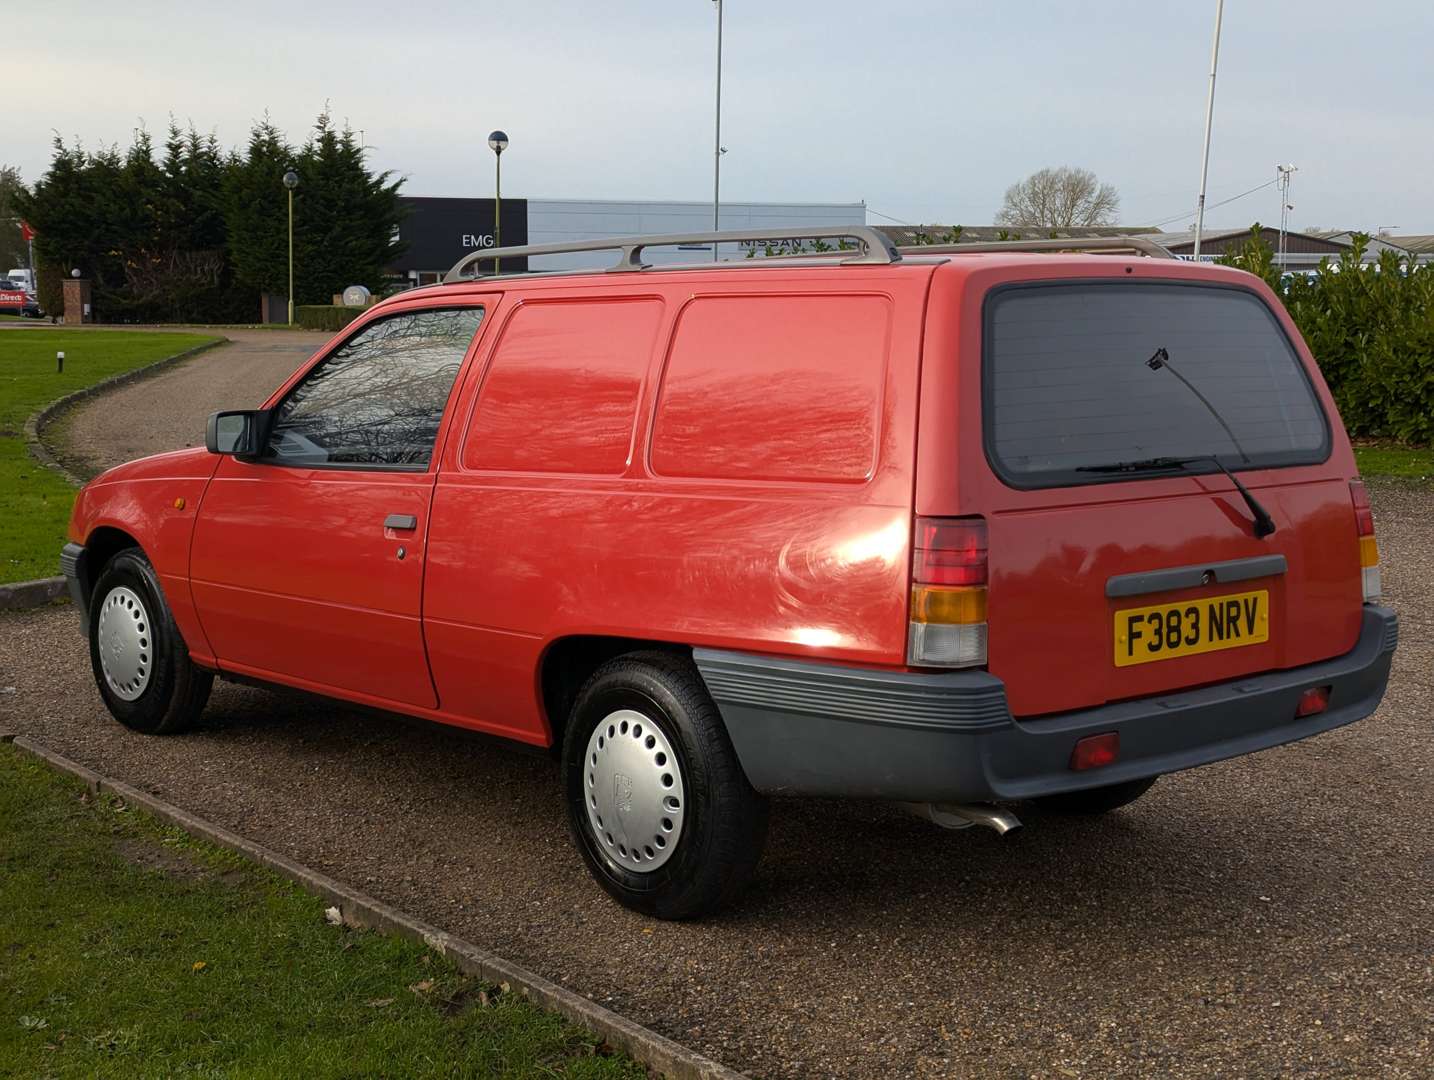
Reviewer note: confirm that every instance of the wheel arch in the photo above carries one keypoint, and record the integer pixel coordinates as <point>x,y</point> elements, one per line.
<point>102,545</point>
<point>568,662</point>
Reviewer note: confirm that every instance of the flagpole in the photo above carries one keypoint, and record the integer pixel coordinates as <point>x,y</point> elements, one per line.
<point>1209,118</point>
<point>717,142</point>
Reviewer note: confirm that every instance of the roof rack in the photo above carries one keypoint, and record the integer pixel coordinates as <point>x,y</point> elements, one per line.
<point>875,247</point>
<point>1138,244</point>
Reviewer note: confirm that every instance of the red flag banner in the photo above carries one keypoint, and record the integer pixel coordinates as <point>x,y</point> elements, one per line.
<point>26,233</point>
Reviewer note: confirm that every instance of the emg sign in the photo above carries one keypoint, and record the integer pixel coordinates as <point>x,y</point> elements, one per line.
<point>439,232</point>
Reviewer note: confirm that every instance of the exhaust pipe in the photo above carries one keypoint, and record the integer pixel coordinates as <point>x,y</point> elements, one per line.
<point>964,815</point>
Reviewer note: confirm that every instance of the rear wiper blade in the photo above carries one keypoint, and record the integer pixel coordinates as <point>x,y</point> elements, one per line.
<point>1264,524</point>
<point>1153,464</point>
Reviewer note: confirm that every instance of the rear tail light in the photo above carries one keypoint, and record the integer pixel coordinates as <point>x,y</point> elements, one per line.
<point>948,594</point>
<point>1368,548</point>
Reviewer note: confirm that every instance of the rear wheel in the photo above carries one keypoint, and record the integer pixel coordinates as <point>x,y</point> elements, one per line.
<point>1097,800</point>
<point>140,662</point>
<point>657,802</point>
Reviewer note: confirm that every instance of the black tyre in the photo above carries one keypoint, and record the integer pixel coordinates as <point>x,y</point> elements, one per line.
<point>1097,800</point>
<point>141,664</point>
<point>657,801</point>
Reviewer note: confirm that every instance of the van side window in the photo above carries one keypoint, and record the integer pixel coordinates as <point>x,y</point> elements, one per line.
<point>378,399</point>
<point>561,392</point>
<point>776,388</point>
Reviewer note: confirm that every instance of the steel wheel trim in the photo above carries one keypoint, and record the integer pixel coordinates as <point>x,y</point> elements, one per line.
<point>125,638</point>
<point>633,791</point>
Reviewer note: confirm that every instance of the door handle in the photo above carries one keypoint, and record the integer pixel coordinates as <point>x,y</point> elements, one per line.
<point>401,522</point>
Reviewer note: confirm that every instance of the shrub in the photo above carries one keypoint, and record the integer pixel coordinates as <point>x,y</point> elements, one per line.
<point>1371,327</point>
<point>325,316</point>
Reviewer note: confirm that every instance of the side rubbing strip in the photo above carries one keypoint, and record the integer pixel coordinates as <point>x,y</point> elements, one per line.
<point>1187,577</point>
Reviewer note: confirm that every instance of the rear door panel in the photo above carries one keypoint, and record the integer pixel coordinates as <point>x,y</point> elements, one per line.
<point>1053,549</point>
<point>1052,624</point>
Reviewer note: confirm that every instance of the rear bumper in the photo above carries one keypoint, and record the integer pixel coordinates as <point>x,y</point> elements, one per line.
<point>802,728</point>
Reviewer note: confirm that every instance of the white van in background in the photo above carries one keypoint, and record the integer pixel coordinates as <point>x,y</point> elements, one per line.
<point>24,277</point>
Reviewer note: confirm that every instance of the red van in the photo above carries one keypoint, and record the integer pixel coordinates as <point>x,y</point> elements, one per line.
<point>948,526</point>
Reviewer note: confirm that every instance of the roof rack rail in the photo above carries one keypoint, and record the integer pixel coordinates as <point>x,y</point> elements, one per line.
<point>876,247</point>
<point>1138,244</point>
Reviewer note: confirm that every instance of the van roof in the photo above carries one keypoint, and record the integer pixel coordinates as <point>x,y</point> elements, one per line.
<point>871,248</point>
<point>857,245</point>
<point>1058,257</point>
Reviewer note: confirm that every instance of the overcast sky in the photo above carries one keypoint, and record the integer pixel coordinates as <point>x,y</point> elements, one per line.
<point>926,110</point>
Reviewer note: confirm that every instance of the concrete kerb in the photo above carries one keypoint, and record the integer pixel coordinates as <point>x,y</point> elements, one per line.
<point>19,595</point>
<point>359,910</point>
<point>35,426</point>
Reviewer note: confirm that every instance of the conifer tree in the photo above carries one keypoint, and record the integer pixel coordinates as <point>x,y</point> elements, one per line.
<point>255,214</point>
<point>344,217</point>
<point>198,234</point>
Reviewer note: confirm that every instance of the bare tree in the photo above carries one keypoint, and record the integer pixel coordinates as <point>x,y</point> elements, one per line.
<point>1058,199</point>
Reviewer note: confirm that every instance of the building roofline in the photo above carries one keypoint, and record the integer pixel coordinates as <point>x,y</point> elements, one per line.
<point>696,203</point>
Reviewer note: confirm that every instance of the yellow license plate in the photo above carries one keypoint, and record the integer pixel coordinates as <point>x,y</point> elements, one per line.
<point>1167,631</point>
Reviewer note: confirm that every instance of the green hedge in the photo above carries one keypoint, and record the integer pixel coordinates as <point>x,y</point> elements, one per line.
<point>1371,327</point>
<point>325,316</point>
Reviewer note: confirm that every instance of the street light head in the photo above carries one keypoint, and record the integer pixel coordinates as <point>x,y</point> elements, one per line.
<point>291,179</point>
<point>497,141</point>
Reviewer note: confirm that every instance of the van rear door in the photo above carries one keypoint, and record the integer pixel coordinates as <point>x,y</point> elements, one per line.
<point>1118,568</point>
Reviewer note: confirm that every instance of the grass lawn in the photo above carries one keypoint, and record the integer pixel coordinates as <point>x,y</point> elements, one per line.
<point>34,501</point>
<point>1389,459</point>
<point>127,948</point>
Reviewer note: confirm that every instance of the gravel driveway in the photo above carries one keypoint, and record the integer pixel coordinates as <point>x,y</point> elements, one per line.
<point>168,412</point>
<point>1270,916</point>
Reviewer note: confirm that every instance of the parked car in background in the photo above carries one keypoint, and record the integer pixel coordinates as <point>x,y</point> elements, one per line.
<point>14,300</point>
<point>23,277</point>
<point>950,526</point>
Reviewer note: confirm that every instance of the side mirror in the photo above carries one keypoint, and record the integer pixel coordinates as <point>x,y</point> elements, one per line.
<point>241,433</point>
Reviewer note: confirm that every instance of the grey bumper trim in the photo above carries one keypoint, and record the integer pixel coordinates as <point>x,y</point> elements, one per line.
<point>955,701</point>
<point>805,728</point>
<point>72,565</point>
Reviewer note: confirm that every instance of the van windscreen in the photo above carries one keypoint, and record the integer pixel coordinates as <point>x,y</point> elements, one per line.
<point>1068,389</point>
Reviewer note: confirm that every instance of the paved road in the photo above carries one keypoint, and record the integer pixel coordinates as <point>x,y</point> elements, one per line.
<point>1272,916</point>
<point>169,411</point>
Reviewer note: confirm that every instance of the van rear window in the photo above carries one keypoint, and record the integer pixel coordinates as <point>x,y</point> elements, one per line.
<point>1068,388</point>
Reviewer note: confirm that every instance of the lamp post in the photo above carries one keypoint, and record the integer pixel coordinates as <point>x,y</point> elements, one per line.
<point>497,142</point>
<point>291,181</point>
<point>1283,172</point>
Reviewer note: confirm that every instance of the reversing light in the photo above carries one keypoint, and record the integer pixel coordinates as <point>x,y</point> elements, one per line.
<point>1312,701</point>
<point>948,593</point>
<point>1096,751</point>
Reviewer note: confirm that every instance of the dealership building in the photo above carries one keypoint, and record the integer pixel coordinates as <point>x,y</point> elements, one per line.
<point>438,231</point>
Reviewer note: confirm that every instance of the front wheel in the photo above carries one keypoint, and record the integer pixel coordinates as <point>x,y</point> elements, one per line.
<point>140,661</point>
<point>1097,800</point>
<point>657,802</point>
